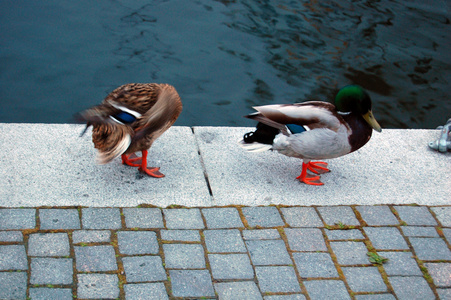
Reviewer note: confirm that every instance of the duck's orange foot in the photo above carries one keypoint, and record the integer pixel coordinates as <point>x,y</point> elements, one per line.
<point>318,167</point>
<point>308,178</point>
<point>153,172</point>
<point>130,159</point>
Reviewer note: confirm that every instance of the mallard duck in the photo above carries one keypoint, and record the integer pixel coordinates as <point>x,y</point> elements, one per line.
<point>314,130</point>
<point>130,119</point>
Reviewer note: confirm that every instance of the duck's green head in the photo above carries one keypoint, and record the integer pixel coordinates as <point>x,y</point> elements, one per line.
<point>353,98</point>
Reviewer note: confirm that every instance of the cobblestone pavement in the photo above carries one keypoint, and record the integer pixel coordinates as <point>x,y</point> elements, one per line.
<point>271,252</point>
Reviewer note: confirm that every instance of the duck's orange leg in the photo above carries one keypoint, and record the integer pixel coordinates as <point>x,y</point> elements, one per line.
<point>154,172</point>
<point>318,167</point>
<point>129,160</point>
<point>307,178</point>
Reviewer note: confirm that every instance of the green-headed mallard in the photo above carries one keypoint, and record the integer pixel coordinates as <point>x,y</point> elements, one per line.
<point>130,119</point>
<point>314,130</point>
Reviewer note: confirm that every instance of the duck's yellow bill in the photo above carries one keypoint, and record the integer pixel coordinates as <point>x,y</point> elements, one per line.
<point>369,118</point>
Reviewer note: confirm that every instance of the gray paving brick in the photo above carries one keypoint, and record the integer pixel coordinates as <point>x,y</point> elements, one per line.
<point>277,279</point>
<point>143,217</point>
<point>94,286</point>
<point>48,244</point>
<point>386,238</point>
<point>326,289</point>
<point>144,268</point>
<point>350,253</point>
<point>285,297</point>
<point>430,248</point>
<point>376,297</point>
<point>268,252</point>
<point>401,263</point>
<point>364,279</point>
<point>262,216</point>
<point>440,273</point>
<point>417,231</point>
<point>238,290</point>
<point>180,235</point>
<point>231,266</point>
<point>315,265</point>
<point>305,239</point>
<point>338,214</point>
<point>444,294</point>
<point>191,283</point>
<point>95,258</point>
<point>59,219</point>
<point>261,234</point>
<point>47,270</point>
<point>13,257</point>
<point>416,215</point>
<point>349,234</point>
<point>377,215</point>
<point>183,218</point>
<point>301,217</point>
<point>411,288</point>
<point>11,236</point>
<point>101,218</point>
<point>224,217</point>
<point>137,242</point>
<point>224,240</point>
<point>184,256</point>
<point>17,218</point>
<point>443,214</point>
<point>50,294</point>
<point>91,236</point>
<point>145,291</point>
<point>447,233</point>
<point>13,285</point>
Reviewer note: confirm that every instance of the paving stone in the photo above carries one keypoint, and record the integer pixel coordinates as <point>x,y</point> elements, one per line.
<point>180,235</point>
<point>430,248</point>
<point>349,234</point>
<point>94,286</point>
<point>11,236</point>
<point>338,214</point>
<point>183,218</point>
<point>231,266</point>
<point>305,239</point>
<point>50,294</point>
<point>137,242</point>
<point>350,253</point>
<point>48,244</point>
<point>443,215</point>
<point>315,265</point>
<point>184,256</point>
<point>401,263</point>
<point>301,217</point>
<point>224,217</point>
<point>59,219</point>
<point>13,257</point>
<point>143,217</point>
<point>13,285</point>
<point>285,297</point>
<point>101,218</point>
<point>386,238</point>
<point>17,218</point>
<point>411,288</point>
<point>326,289</point>
<point>415,215</point>
<point>268,252</point>
<point>417,231</point>
<point>91,236</point>
<point>375,297</point>
<point>277,279</point>
<point>447,233</point>
<point>238,290</point>
<point>267,216</point>
<point>364,279</point>
<point>261,234</point>
<point>377,215</point>
<point>145,291</point>
<point>224,241</point>
<point>191,283</point>
<point>440,272</point>
<point>95,258</point>
<point>51,270</point>
<point>144,268</point>
<point>444,294</point>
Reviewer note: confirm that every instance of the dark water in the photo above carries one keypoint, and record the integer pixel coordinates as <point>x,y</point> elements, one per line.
<point>58,57</point>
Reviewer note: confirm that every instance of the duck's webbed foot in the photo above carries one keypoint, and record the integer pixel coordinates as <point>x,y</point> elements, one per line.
<point>318,167</point>
<point>130,160</point>
<point>308,178</point>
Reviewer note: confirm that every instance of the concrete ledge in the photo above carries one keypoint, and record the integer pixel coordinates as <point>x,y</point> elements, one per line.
<point>49,165</point>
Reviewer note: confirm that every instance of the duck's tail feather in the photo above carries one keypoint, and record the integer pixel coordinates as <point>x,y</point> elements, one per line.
<point>259,140</point>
